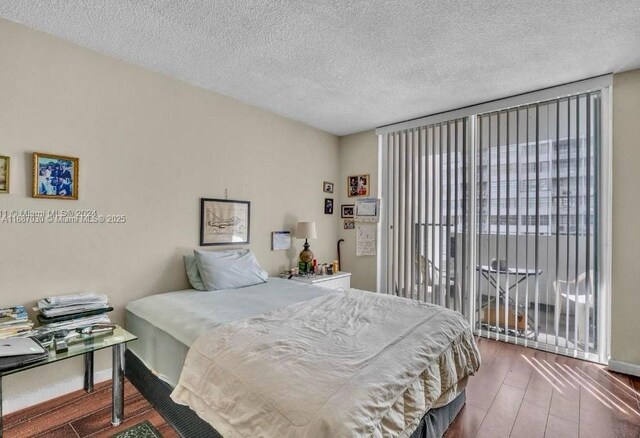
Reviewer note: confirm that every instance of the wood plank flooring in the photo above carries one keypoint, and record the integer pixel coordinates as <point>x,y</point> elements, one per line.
<point>518,392</point>
<point>521,392</point>
<point>79,414</point>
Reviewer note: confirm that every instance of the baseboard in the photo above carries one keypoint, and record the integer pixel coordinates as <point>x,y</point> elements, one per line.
<point>24,400</point>
<point>624,367</point>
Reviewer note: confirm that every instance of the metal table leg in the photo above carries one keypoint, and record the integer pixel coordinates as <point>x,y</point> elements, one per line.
<point>117,401</point>
<point>88,371</point>
<point>492,281</point>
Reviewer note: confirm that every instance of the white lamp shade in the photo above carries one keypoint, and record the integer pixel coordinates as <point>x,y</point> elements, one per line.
<point>306,230</point>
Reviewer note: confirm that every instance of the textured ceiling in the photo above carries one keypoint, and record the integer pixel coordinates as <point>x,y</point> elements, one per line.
<point>348,66</point>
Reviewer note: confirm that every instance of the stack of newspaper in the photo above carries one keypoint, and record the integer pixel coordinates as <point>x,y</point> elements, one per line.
<point>14,321</point>
<point>68,312</point>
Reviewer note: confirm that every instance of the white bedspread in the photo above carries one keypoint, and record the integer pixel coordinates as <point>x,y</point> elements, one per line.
<point>187,314</point>
<point>340,365</point>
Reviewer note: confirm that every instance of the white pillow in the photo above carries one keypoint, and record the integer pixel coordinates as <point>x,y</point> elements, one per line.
<point>192,272</point>
<point>229,269</point>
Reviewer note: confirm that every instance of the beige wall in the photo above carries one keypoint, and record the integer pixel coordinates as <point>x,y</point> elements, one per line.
<point>625,299</point>
<point>358,155</point>
<point>149,148</point>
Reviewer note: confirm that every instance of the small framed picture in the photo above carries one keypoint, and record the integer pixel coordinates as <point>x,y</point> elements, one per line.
<point>280,240</point>
<point>224,222</point>
<point>328,205</point>
<point>358,185</point>
<point>327,187</point>
<point>55,176</point>
<point>5,174</point>
<point>347,211</point>
<point>349,224</point>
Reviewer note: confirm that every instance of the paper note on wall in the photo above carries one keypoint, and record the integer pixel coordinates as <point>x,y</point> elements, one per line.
<point>280,240</point>
<point>365,239</point>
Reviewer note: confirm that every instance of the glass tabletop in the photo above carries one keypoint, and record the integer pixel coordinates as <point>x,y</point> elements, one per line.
<point>79,347</point>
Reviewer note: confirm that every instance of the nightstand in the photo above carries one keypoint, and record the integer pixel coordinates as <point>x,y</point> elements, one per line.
<point>339,280</point>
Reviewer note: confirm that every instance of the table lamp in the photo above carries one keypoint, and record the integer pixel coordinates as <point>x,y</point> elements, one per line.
<point>306,230</point>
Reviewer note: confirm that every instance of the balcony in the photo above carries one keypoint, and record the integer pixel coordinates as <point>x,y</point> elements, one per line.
<point>551,303</point>
<point>542,292</point>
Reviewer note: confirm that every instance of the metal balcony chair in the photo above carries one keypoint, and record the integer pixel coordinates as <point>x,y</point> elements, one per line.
<point>425,284</point>
<point>440,278</point>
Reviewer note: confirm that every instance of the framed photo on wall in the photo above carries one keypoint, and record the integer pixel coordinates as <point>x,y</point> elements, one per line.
<point>346,211</point>
<point>327,187</point>
<point>224,222</point>
<point>358,185</point>
<point>55,176</point>
<point>5,174</point>
<point>328,205</point>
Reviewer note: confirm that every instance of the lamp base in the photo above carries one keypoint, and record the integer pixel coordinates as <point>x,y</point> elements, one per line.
<point>306,256</point>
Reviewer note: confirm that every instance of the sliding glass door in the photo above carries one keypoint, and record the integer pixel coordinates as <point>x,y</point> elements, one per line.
<point>498,214</point>
<point>536,223</point>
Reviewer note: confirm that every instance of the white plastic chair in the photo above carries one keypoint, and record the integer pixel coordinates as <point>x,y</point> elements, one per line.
<point>575,291</point>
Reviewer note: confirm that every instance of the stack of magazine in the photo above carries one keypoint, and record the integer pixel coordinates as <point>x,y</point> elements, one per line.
<point>14,321</point>
<point>69,312</point>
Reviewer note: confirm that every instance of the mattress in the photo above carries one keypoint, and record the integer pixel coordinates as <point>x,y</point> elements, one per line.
<point>168,323</point>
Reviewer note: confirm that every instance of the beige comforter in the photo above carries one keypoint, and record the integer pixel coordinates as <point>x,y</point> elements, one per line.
<point>342,365</point>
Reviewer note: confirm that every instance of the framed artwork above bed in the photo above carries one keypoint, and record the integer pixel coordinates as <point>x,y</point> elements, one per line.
<point>224,222</point>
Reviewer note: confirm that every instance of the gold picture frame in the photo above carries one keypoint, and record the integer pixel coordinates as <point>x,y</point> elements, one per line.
<point>55,176</point>
<point>358,185</point>
<point>5,173</point>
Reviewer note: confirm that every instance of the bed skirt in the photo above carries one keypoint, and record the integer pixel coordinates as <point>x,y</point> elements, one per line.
<point>188,424</point>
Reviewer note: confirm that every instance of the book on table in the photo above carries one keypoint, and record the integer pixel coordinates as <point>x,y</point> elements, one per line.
<point>13,321</point>
<point>72,316</point>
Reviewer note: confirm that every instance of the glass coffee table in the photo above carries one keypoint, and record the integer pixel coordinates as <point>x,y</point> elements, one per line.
<point>86,347</point>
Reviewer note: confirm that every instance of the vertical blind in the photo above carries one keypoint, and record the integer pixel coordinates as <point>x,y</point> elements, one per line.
<point>427,215</point>
<point>495,211</point>
<point>536,221</point>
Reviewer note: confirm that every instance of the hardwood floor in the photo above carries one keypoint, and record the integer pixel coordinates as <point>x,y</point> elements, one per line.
<point>83,415</point>
<point>521,392</point>
<point>518,392</point>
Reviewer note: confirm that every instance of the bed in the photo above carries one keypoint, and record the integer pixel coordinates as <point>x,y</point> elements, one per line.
<point>284,358</point>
